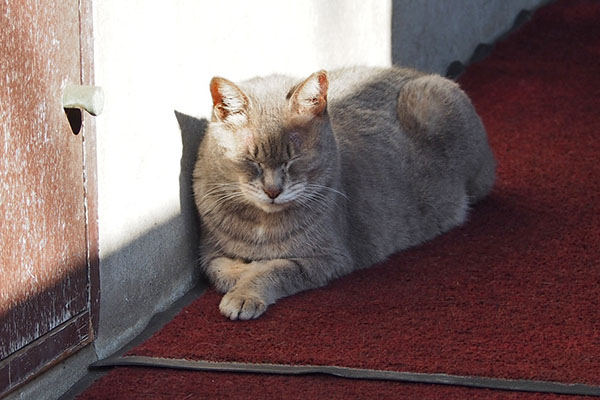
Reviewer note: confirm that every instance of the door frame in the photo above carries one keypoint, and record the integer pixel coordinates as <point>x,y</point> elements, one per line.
<point>79,331</point>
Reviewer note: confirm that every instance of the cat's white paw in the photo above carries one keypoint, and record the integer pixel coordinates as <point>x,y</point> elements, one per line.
<point>242,305</point>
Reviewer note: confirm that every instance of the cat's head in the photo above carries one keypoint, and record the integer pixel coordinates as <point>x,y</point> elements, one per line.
<point>273,139</point>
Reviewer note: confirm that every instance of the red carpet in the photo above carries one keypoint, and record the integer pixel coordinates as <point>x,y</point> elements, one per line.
<point>512,294</point>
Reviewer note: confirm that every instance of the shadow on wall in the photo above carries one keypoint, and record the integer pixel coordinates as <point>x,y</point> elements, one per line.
<point>145,290</point>
<point>448,40</point>
<point>192,132</point>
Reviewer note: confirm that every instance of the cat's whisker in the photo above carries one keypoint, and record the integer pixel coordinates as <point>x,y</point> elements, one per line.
<point>222,184</point>
<point>306,202</point>
<point>318,194</point>
<point>312,202</point>
<point>295,191</point>
<point>230,196</point>
<point>323,198</point>
<point>220,191</point>
<point>220,199</point>
<point>317,186</point>
<point>213,194</point>
<point>221,187</point>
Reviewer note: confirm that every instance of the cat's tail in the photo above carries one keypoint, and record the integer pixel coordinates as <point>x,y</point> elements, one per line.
<point>429,106</point>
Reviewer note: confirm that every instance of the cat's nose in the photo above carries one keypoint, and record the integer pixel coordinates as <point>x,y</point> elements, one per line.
<point>272,192</point>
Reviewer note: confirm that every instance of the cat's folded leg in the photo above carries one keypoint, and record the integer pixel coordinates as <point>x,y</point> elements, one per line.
<point>267,281</point>
<point>224,272</point>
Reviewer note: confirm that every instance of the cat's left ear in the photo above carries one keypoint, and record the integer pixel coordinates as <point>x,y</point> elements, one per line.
<point>310,97</point>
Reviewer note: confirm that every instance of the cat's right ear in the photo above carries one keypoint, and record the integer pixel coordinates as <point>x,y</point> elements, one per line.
<point>230,103</point>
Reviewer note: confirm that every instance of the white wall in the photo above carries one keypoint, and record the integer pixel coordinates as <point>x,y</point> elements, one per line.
<point>153,57</point>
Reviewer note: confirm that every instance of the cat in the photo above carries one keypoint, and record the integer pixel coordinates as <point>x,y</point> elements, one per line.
<point>299,182</point>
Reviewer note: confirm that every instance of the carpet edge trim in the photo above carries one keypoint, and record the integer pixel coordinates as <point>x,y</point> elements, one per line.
<point>519,385</point>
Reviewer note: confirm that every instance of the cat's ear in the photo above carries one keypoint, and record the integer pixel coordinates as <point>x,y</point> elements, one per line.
<point>230,103</point>
<point>310,97</point>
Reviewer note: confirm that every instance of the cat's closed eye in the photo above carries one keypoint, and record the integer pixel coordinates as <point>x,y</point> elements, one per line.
<point>291,162</point>
<point>253,167</point>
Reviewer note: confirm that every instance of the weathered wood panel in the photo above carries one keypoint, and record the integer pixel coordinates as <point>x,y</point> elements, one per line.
<point>43,274</point>
<point>90,164</point>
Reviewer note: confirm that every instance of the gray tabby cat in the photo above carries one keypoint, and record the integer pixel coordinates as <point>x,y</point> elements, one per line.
<point>300,182</point>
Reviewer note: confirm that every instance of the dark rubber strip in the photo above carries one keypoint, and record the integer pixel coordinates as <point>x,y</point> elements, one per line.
<point>356,373</point>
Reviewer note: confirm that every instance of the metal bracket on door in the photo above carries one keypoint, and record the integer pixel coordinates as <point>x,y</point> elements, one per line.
<point>81,97</point>
<point>88,98</point>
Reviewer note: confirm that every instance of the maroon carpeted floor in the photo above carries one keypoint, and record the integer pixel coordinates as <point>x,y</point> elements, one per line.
<point>515,293</point>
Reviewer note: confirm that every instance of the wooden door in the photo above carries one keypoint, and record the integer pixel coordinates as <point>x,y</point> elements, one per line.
<point>48,252</point>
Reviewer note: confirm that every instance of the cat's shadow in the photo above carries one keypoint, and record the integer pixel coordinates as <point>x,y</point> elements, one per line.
<point>192,131</point>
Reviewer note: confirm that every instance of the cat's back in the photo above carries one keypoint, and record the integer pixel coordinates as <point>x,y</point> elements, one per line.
<point>363,110</point>
<point>411,145</point>
<point>366,88</point>
<point>367,81</point>
<point>405,114</point>
<point>362,102</point>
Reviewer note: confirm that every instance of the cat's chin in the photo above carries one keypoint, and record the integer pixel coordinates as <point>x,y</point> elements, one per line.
<point>271,207</point>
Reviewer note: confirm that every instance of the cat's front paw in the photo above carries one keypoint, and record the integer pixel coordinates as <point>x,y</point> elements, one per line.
<point>242,305</point>
<point>225,273</point>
